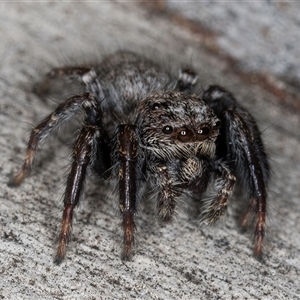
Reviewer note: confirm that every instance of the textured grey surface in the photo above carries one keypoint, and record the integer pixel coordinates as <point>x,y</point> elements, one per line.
<point>262,35</point>
<point>180,261</point>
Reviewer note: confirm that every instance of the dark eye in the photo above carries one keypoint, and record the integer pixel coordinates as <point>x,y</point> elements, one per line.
<point>203,133</point>
<point>185,135</point>
<point>155,106</point>
<point>167,129</point>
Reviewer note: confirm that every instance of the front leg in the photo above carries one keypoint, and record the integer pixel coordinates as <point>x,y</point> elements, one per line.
<point>127,144</point>
<point>195,175</point>
<point>224,183</point>
<point>168,191</point>
<point>192,174</point>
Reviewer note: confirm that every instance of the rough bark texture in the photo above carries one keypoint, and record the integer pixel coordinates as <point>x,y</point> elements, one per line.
<point>182,260</point>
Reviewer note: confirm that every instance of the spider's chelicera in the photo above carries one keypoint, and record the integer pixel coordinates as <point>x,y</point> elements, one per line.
<point>179,140</point>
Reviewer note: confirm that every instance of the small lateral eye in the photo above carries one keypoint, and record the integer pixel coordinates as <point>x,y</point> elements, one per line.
<point>167,129</point>
<point>160,105</point>
<point>155,106</point>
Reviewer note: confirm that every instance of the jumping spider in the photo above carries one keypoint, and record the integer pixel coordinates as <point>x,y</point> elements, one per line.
<point>179,140</point>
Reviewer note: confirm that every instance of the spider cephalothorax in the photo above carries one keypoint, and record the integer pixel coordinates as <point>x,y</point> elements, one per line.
<point>179,140</point>
<point>175,124</point>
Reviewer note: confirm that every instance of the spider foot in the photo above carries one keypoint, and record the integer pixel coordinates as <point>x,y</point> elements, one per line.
<point>259,234</point>
<point>18,179</point>
<point>129,227</point>
<point>166,203</point>
<point>165,215</point>
<point>59,257</point>
<point>64,235</point>
<point>61,249</point>
<point>127,253</point>
<point>258,244</point>
<point>256,214</point>
<point>214,212</point>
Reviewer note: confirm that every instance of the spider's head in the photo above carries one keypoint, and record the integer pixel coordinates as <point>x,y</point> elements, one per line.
<point>175,124</point>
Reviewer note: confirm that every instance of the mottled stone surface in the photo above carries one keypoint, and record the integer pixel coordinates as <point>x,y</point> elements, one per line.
<point>182,260</point>
<point>262,35</point>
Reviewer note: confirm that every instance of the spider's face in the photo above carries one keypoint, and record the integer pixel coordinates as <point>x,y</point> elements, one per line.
<point>176,124</point>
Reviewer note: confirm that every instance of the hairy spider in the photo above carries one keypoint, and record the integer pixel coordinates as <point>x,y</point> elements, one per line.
<point>180,140</point>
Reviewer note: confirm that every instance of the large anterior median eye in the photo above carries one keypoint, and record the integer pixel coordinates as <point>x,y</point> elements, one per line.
<point>203,133</point>
<point>185,135</point>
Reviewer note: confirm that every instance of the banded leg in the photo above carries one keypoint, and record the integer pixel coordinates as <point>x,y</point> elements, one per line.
<point>61,114</point>
<point>186,80</point>
<point>166,202</point>
<point>224,184</point>
<point>87,77</point>
<point>128,187</point>
<point>83,152</point>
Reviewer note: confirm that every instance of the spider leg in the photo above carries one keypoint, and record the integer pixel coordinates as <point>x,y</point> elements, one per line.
<point>255,176</point>
<point>87,76</point>
<point>186,80</point>
<point>241,146</point>
<point>168,192</point>
<point>224,184</point>
<point>61,114</point>
<point>128,182</point>
<point>83,150</point>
